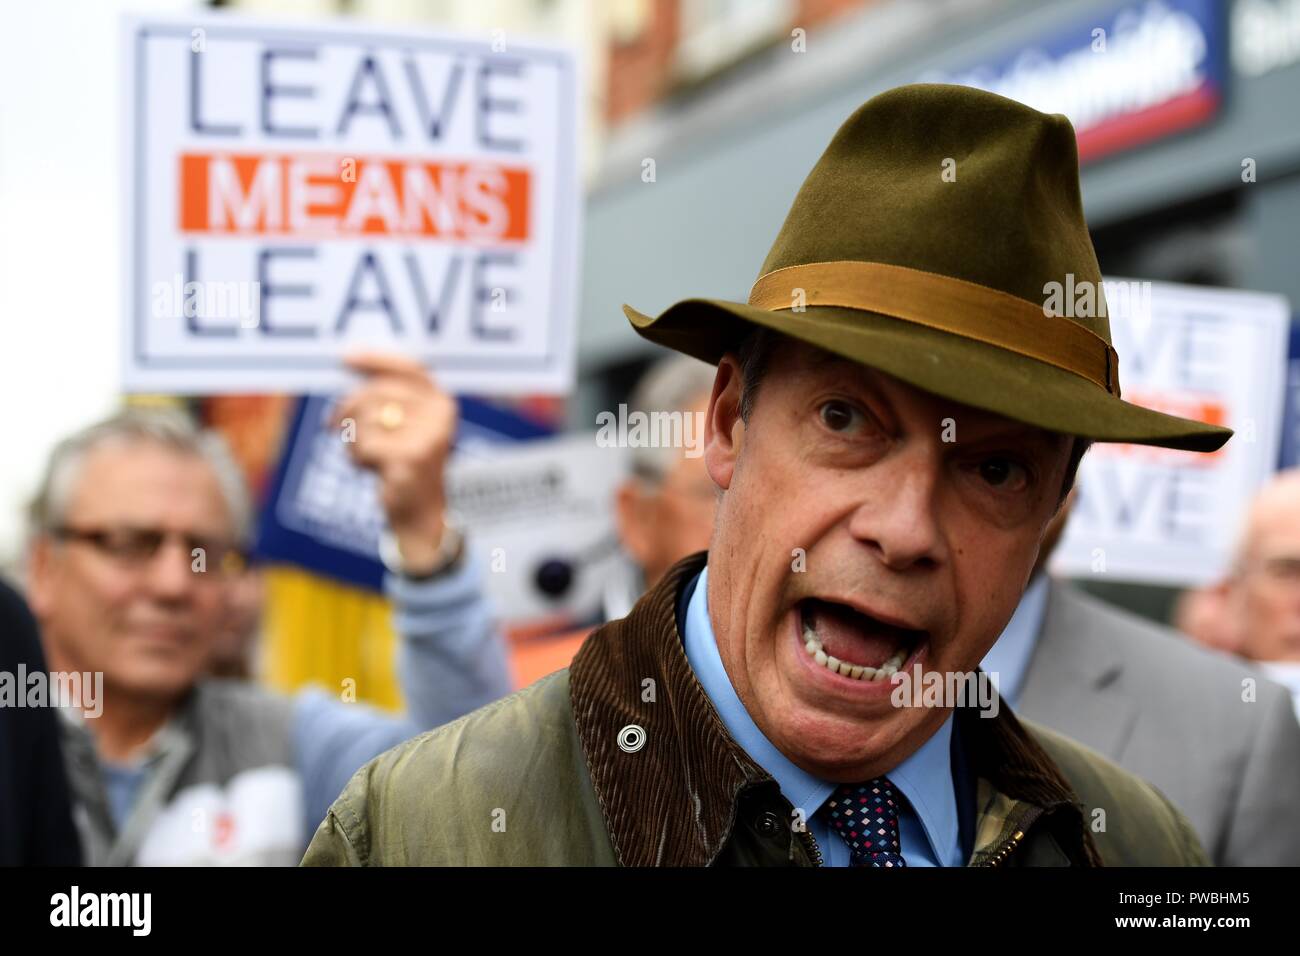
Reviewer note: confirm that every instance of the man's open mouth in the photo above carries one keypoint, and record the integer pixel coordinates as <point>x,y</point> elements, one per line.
<point>848,642</point>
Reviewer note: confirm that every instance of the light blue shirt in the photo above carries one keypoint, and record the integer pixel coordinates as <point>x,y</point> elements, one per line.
<point>928,826</point>
<point>1007,661</point>
<point>121,785</point>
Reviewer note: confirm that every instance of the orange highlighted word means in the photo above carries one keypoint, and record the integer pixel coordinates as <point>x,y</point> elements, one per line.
<point>326,196</point>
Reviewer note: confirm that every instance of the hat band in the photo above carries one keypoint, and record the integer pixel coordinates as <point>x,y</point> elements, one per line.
<point>950,305</point>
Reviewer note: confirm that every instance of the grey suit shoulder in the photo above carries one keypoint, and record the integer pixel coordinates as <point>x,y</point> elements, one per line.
<point>1214,735</point>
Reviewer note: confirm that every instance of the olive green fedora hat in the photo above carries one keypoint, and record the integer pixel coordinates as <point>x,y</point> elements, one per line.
<point>929,242</point>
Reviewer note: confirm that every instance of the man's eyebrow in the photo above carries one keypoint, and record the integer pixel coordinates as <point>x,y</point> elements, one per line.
<point>819,359</point>
<point>820,362</point>
<point>1013,432</point>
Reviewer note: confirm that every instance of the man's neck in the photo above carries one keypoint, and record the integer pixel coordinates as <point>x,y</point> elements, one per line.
<point>127,725</point>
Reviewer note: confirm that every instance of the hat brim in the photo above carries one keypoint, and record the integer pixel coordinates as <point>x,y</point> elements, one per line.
<point>961,369</point>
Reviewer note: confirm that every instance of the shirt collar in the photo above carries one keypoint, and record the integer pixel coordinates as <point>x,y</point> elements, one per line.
<point>924,778</point>
<point>1007,661</point>
<point>1286,673</point>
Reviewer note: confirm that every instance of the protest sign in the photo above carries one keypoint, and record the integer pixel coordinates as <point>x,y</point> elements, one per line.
<point>297,192</point>
<point>537,510</point>
<point>1170,517</point>
<point>1289,452</point>
<point>322,512</point>
<point>541,515</point>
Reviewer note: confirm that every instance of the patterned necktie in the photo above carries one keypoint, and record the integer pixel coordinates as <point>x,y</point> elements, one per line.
<point>865,815</point>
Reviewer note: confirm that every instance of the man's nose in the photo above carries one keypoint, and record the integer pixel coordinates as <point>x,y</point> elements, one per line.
<point>899,520</point>
<point>171,574</point>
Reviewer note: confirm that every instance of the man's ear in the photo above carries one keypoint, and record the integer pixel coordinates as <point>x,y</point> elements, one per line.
<point>724,430</point>
<point>629,514</point>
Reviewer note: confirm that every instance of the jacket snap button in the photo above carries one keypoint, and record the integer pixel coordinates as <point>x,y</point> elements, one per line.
<point>769,824</point>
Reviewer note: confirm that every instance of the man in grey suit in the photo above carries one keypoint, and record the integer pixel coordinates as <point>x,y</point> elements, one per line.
<point>1220,740</point>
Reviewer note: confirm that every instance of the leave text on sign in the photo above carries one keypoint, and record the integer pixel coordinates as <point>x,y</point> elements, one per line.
<point>299,191</point>
<point>291,80</point>
<point>322,196</point>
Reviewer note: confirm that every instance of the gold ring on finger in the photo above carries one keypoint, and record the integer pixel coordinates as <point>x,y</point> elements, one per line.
<point>391,415</point>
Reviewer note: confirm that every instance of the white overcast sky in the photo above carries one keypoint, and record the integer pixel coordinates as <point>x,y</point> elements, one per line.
<point>59,225</point>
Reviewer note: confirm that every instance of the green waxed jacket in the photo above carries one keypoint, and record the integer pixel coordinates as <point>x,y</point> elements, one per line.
<point>539,779</point>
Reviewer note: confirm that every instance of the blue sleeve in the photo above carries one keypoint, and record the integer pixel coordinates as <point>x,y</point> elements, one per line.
<point>452,660</point>
<point>332,740</point>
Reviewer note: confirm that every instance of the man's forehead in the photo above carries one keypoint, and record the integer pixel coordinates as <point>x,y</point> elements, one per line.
<point>142,474</point>
<point>1275,526</point>
<point>125,455</point>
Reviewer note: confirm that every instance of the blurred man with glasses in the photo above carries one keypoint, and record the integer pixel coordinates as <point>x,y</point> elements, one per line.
<point>664,508</point>
<point>137,532</point>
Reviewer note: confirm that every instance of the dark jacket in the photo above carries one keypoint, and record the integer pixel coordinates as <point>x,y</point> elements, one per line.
<point>36,826</point>
<point>539,778</point>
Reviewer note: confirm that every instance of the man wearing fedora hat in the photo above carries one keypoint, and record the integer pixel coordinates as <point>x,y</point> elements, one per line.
<point>895,419</point>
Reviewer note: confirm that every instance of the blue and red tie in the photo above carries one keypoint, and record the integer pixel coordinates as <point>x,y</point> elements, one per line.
<point>865,815</point>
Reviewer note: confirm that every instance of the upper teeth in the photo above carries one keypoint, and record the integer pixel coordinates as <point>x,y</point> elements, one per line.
<point>856,671</point>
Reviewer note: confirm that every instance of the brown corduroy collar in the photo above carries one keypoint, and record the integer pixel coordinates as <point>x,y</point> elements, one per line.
<point>671,802</point>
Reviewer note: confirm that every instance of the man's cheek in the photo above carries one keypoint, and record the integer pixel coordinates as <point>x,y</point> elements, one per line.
<point>107,591</point>
<point>92,608</point>
<point>211,612</point>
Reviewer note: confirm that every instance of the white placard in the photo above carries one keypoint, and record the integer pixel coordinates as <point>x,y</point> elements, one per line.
<point>295,192</point>
<point>1159,516</point>
<point>526,504</point>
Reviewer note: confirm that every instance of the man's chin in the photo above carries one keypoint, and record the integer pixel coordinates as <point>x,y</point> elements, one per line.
<point>153,681</point>
<point>846,749</point>
<point>836,745</point>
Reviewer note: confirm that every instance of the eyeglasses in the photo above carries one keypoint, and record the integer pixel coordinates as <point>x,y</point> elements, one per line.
<point>1283,568</point>
<point>136,547</point>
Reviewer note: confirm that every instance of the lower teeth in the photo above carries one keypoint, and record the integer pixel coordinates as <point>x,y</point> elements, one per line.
<point>855,671</point>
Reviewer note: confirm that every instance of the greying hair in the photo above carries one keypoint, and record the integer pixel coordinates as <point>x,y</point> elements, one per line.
<point>168,428</point>
<point>672,384</point>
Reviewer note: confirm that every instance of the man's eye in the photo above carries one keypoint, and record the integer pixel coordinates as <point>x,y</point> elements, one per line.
<point>132,543</point>
<point>1004,473</point>
<point>839,416</point>
<point>1287,568</point>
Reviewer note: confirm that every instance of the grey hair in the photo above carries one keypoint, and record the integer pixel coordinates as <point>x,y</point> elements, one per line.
<point>165,427</point>
<point>672,384</point>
